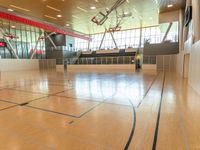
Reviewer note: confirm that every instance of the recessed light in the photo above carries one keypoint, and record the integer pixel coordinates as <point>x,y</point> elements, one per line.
<point>92,7</point>
<point>107,9</point>
<point>75,16</point>
<point>59,16</point>
<point>13,27</point>
<point>10,10</point>
<point>170,5</point>
<point>53,8</point>
<point>67,24</point>
<point>17,7</point>
<point>82,9</point>
<point>50,17</point>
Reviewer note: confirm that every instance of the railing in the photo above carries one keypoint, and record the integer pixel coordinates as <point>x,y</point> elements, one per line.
<point>149,59</point>
<point>106,60</point>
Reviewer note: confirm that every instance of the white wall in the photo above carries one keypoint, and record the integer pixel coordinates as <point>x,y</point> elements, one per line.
<point>194,69</point>
<point>18,64</point>
<point>118,67</point>
<point>167,17</point>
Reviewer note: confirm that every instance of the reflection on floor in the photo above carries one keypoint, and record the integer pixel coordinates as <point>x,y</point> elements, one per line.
<point>97,111</point>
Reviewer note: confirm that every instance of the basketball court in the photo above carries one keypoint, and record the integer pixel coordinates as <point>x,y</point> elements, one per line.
<point>101,111</point>
<point>99,75</point>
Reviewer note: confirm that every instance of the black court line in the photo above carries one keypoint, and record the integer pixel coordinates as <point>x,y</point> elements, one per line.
<point>55,94</point>
<point>37,92</point>
<point>65,114</point>
<point>82,98</point>
<point>51,111</point>
<point>134,114</point>
<point>45,96</point>
<point>8,107</point>
<point>8,102</point>
<point>60,113</point>
<point>148,89</point>
<point>158,117</point>
<point>132,130</point>
<point>83,114</point>
<point>106,101</point>
<point>12,89</point>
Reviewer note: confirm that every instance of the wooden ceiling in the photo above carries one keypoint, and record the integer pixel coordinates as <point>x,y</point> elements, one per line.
<point>177,4</point>
<point>77,13</point>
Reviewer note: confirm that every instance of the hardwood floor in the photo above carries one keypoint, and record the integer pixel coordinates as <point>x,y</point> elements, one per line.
<point>58,110</point>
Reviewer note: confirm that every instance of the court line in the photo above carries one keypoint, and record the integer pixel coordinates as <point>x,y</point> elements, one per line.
<point>54,94</point>
<point>148,90</point>
<point>65,114</point>
<point>133,128</point>
<point>12,89</point>
<point>8,107</point>
<point>106,101</point>
<point>83,114</point>
<point>158,116</point>
<point>47,110</point>
<point>134,113</point>
<point>146,124</point>
<point>37,92</point>
<point>6,101</point>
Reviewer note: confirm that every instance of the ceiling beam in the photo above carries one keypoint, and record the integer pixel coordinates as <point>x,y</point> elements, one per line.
<point>46,27</point>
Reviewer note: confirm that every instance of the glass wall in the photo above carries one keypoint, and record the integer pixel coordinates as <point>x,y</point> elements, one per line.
<point>22,38</point>
<point>128,38</point>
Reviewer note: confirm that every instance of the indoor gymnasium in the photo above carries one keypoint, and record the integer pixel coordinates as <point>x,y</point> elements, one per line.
<point>99,74</point>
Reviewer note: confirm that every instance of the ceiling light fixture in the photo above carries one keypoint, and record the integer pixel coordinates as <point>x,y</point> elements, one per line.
<point>92,7</point>
<point>67,25</point>
<point>50,17</point>
<point>74,16</point>
<point>170,5</point>
<point>50,7</point>
<point>10,10</point>
<point>17,7</point>
<point>13,27</point>
<point>126,13</point>
<point>59,16</point>
<point>82,9</point>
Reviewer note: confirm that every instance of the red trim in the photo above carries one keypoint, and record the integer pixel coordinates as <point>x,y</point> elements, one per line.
<point>40,25</point>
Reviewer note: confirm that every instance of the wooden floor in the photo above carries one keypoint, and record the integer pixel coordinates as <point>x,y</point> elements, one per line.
<point>56,110</point>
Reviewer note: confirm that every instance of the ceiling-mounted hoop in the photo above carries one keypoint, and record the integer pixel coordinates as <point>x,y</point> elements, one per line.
<point>118,24</point>
<point>101,17</point>
<point>11,36</point>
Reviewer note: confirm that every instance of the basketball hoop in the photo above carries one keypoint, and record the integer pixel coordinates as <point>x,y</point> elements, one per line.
<point>41,38</point>
<point>101,17</point>
<point>114,29</point>
<point>11,36</point>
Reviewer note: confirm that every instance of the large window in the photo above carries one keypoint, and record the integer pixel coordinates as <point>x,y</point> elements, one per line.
<point>128,38</point>
<point>22,38</point>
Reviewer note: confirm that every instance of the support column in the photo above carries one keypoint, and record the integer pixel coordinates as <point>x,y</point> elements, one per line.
<point>9,44</point>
